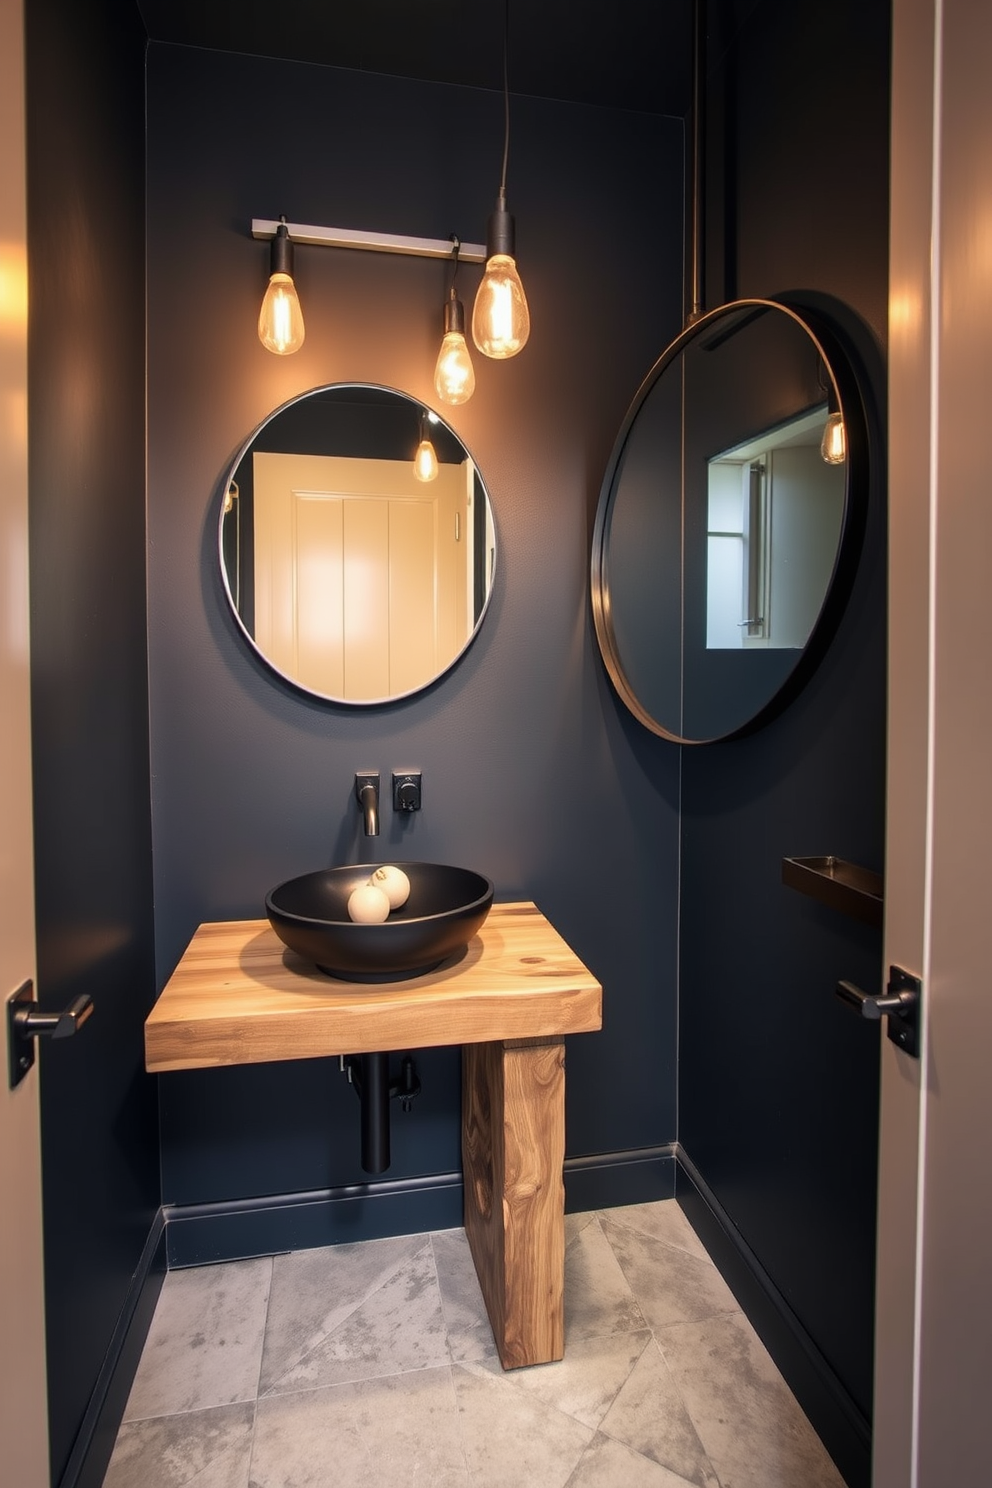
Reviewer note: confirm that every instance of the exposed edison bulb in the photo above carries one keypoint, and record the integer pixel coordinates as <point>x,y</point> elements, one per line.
<point>454,375</point>
<point>500,318</point>
<point>425,461</point>
<point>280,321</point>
<point>833,447</point>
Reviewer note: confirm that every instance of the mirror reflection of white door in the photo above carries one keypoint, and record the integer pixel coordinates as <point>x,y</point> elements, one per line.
<point>23,1414</point>
<point>361,579</point>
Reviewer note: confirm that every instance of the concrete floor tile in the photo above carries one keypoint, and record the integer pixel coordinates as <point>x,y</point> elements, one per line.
<point>204,1346</point>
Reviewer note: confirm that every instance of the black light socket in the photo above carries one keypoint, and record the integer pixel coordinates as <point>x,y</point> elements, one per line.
<point>454,315</point>
<point>500,230</point>
<point>281,259</point>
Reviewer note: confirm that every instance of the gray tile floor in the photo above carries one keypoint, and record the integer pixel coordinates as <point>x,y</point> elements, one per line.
<point>372,1366</point>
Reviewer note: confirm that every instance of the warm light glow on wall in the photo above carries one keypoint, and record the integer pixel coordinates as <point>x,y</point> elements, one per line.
<point>905,311</point>
<point>13,287</point>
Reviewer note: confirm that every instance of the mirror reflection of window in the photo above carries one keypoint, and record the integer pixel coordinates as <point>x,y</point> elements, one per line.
<point>775,510</point>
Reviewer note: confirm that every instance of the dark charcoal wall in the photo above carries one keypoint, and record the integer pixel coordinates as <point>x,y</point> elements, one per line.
<point>85,96</point>
<point>777,1082</point>
<point>532,772</point>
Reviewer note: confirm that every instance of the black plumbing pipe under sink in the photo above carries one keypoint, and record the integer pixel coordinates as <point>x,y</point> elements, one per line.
<point>374,1091</point>
<point>368,1075</point>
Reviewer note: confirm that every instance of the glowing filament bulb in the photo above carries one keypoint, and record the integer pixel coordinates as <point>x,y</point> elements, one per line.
<point>454,375</point>
<point>425,461</point>
<point>834,444</point>
<point>500,319</point>
<point>280,320</point>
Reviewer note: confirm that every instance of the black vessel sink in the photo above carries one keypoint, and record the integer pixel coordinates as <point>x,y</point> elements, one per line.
<point>445,909</point>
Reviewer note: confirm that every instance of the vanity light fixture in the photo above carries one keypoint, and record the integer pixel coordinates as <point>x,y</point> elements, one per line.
<point>500,318</point>
<point>425,466</point>
<point>280,320</point>
<point>280,324</point>
<point>454,375</point>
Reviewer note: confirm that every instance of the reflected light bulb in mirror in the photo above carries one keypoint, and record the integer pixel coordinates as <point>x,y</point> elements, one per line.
<point>280,320</point>
<point>454,375</point>
<point>500,317</point>
<point>425,461</point>
<point>833,447</point>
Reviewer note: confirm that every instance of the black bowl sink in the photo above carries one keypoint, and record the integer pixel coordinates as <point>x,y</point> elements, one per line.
<point>445,909</point>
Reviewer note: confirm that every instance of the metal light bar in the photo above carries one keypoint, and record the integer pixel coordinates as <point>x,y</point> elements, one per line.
<point>347,237</point>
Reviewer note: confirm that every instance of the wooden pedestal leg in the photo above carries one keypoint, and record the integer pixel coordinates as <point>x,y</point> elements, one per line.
<point>513,1152</point>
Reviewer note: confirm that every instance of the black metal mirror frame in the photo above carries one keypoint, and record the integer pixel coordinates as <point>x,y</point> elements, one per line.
<point>450,435</point>
<point>849,387</point>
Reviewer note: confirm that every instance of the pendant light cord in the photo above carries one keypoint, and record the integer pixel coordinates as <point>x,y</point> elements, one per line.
<point>506,95</point>
<point>698,160</point>
<point>456,247</point>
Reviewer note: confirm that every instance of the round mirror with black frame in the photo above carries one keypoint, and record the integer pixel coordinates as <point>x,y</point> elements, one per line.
<point>357,544</point>
<point>730,521</point>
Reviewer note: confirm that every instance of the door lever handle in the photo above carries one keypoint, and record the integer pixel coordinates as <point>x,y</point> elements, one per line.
<point>26,1022</point>
<point>900,1003</point>
<point>872,1005</point>
<point>30,1023</point>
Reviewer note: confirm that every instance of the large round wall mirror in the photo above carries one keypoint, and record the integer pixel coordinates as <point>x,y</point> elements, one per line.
<point>729,522</point>
<point>358,563</point>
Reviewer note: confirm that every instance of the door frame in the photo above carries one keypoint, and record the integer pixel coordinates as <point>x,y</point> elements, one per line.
<point>934,1300</point>
<point>23,1399</point>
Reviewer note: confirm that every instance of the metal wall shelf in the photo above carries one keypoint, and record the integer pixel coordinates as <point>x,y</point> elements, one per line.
<point>834,881</point>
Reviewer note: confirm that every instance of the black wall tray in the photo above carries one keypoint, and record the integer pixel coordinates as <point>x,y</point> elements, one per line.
<point>834,881</point>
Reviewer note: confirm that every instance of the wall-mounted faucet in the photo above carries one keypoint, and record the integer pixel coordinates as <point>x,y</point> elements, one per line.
<point>367,791</point>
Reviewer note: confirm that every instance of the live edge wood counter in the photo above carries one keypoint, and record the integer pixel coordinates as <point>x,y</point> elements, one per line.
<point>238,996</point>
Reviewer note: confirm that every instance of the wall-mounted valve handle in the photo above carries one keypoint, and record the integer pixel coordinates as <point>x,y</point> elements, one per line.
<point>900,1002</point>
<point>407,790</point>
<point>26,1022</point>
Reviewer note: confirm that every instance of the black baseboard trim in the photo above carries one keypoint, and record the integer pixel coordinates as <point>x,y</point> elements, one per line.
<point>837,1419</point>
<point>94,1442</point>
<point>237,1229</point>
<point>607,1180</point>
<point>201,1234</point>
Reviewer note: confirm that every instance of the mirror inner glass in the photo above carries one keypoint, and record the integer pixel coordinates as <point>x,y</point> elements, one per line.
<point>351,575</point>
<point>721,523</point>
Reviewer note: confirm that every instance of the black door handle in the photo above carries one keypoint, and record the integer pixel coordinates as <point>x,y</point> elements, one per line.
<point>900,1003</point>
<point>26,1022</point>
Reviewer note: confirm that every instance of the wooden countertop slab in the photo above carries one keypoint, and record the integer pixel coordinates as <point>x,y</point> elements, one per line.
<point>238,996</point>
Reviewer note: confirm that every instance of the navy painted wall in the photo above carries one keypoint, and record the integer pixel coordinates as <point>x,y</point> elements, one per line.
<point>532,772</point>
<point>778,1084</point>
<point>85,112</point>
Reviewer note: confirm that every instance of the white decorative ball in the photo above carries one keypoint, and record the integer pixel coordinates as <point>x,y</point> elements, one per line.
<point>368,905</point>
<point>394,884</point>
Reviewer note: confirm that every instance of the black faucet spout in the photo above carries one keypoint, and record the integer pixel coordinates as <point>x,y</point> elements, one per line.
<point>367,791</point>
